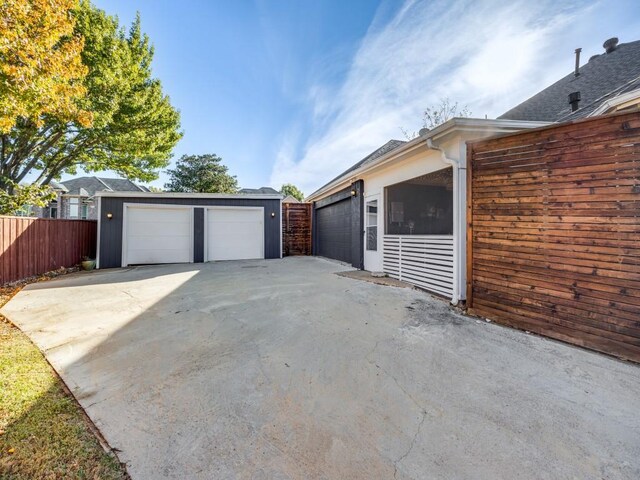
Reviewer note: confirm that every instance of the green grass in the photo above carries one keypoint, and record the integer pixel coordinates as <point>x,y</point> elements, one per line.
<point>43,431</point>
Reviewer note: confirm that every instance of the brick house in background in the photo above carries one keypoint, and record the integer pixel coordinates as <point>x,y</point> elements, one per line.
<point>75,197</point>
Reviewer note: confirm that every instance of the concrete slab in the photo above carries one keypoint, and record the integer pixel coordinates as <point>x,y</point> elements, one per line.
<point>281,369</point>
<point>374,278</point>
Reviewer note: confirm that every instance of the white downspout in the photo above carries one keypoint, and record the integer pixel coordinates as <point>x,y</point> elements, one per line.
<point>459,219</point>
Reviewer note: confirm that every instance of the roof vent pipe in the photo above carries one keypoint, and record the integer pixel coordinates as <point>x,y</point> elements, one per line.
<point>577,70</point>
<point>610,45</point>
<point>574,100</point>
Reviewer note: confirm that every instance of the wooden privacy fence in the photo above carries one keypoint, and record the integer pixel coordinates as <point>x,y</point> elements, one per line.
<point>296,229</point>
<point>554,232</point>
<point>32,246</point>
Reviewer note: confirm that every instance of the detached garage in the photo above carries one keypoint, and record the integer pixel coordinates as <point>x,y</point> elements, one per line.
<point>151,228</point>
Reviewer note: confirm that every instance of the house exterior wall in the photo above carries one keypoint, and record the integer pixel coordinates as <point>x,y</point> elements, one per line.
<point>420,163</point>
<point>110,230</point>
<point>64,209</point>
<point>63,206</point>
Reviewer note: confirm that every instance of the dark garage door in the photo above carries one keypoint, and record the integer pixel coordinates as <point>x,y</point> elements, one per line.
<point>334,231</point>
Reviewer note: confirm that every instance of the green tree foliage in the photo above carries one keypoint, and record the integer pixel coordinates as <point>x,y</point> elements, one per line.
<point>41,70</point>
<point>201,174</point>
<point>134,126</point>
<point>25,196</point>
<point>290,189</point>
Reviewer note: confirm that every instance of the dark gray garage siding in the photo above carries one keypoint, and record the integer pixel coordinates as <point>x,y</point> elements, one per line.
<point>334,231</point>
<point>110,241</point>
<point>338,228</point>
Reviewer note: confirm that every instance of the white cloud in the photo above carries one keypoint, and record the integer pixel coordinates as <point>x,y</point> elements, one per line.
<point>489,55</point>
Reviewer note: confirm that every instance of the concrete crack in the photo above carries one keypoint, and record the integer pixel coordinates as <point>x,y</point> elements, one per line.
<point>411,445</point>
<point>413,400</point>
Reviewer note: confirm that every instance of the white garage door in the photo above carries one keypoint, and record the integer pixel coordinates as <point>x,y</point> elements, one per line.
<point>235,233</point>
<point>158,235</point>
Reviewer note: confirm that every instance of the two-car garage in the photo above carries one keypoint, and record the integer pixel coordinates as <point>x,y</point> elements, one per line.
<point>150,228</point>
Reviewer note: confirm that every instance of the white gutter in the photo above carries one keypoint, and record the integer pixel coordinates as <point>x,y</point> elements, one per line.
<point>459,217</point>
<point>445,159</point>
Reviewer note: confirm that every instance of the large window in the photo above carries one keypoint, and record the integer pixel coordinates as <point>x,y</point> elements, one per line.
<point>421,206</point>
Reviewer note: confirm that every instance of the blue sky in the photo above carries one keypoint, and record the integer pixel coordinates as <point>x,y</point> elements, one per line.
<point>296,91</point>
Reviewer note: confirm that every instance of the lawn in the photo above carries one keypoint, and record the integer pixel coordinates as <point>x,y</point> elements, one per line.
<point>43,431</point>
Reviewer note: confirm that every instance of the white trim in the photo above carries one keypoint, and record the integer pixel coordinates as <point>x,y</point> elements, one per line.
<point>231,207</point>
<point>99,209</point>
<point>380,217</point>
<point>614,102</point>
<point>451,126</point>
<point>189,195</point>
<point>125,206</point>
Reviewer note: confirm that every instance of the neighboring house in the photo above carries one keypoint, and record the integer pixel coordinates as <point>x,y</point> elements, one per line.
<point>259,191</point>
<point>607,83</point>
<point>75,197</point>
<point>290,199</point>
<point>402,209</point>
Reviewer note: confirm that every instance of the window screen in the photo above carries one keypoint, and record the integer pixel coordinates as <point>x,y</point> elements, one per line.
<point>421,206</point>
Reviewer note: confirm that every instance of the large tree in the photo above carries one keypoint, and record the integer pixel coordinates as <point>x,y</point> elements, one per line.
<point>133,125</point>
<point>41,70</point>
<point>290,189</point>
<point>201,174</point>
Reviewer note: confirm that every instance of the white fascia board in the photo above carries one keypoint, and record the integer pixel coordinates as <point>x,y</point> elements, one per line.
<point>451,126</point>
<point>615,101</point>
<point>255,196</point>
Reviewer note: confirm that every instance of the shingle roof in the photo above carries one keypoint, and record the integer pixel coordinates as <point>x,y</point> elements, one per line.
<point>601,78</point>
<point>263,190</point>
<point>384,149</point>
<point>91,185</point>
<point>58,186</point>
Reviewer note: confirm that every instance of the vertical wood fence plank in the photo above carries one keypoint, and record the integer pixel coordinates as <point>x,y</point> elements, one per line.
<point>296,229</point>
<point>33,246</point>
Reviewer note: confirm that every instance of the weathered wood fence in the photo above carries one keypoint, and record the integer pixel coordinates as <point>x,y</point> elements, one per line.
<point>554,232</point>
<point>32,246</point>
<point>296,229</point>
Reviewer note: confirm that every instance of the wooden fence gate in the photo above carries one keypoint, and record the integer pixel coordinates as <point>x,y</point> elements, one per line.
<point>296,229</point>
<point>554,232</point>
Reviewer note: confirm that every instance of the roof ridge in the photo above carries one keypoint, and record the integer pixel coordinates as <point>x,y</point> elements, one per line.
<point>102,182</point>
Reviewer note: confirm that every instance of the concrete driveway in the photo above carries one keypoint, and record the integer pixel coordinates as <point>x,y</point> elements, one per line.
<point>281,369</point>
